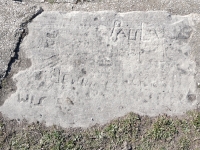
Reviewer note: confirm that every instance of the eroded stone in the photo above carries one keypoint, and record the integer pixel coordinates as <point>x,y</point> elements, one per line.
<point>89,68</point>
<point>14,16</point>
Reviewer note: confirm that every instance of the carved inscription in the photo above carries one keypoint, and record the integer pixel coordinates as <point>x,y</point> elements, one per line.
<point>92,66</point>
<point>119,32</point>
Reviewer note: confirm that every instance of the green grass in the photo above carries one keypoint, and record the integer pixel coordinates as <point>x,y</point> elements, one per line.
<point>184,143</point>
<point>163,128</point>
<point>196,121</point>
<point>133,131</point>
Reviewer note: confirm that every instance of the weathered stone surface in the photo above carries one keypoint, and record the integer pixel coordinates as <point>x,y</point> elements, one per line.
<point>89,68</point>
<point>67,1</point>
<point>181,7</point>
<point>51,1</point>
<point>13,19</point>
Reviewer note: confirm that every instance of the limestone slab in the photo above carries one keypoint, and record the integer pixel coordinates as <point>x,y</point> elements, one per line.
<point>90,68</point>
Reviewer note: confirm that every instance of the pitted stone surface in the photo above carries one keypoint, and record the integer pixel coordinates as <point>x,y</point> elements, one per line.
<point>51,1</point>
<point>13,18</point>
<point>89,68</point>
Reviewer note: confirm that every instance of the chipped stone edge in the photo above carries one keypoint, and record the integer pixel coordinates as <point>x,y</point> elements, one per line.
<point>20,34</point>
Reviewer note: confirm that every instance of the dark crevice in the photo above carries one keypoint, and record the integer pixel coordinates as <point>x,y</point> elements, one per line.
<point>7,85</point>
<point>24,27</point>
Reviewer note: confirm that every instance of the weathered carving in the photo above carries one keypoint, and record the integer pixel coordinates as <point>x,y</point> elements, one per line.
<point>103,68</point>
<point>117,31</point>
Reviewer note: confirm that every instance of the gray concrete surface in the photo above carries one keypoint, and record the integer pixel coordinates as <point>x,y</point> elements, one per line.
<point>89,68</point>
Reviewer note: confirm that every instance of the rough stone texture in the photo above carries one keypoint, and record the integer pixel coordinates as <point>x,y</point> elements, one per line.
<point>56,1</point>
<point>51,1</point>
<point>14,16</point>
<point>181,7</point>
<point>67,1</point>
<point>89,68</point>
